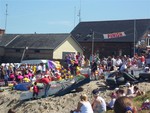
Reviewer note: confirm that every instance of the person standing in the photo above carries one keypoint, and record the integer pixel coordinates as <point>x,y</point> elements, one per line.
<point>46,83</point>
<point>93,70</point>
<point>35,90</point>
<point>6,77</point>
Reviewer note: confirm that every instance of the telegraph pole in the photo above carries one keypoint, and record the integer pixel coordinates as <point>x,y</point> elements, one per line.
<point>6,14</point>
<point>134,36</point>
<point>80,13</point>
<point>92,44</point>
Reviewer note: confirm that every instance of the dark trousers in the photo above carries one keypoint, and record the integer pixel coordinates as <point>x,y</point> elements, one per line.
<point>47,87</point>
<point>35,94</point>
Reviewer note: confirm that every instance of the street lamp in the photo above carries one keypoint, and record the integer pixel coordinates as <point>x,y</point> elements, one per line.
<point>23,53</point>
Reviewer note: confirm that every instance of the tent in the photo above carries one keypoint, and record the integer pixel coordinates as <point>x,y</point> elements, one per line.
<point>23,86</point>
<point>34,61</point>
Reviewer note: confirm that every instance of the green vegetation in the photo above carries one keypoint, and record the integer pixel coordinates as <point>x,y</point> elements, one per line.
<point>140,99</point>
<point>138,102</point>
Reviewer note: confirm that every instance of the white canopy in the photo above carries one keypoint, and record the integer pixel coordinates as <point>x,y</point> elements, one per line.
<point>33,61</point>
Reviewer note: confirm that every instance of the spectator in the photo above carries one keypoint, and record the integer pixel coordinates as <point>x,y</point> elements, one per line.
<point>120,93</point>
<point>124,105</point>
<point>137,91</point>
<point>130,89</point>
<point>11,76</point>
<point>110,105</point>
<point>46,83</point>
<point>93,70</point>
<point>99,104</point>
<point>84,105</point>
<point>87,62</point>
<point>6,77</point>
<point>11,111</point>
<point>35,90</point>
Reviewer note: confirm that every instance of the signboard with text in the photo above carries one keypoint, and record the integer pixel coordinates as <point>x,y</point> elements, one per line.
<point>114,35</point>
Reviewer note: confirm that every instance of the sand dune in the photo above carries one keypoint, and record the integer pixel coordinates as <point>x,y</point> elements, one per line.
<point>63,104</point>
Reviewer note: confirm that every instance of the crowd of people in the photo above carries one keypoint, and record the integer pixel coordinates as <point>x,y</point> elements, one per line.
<point>27,72</point>
<point>113,63</point>
<point>98,66</point>
<point>121,101</point>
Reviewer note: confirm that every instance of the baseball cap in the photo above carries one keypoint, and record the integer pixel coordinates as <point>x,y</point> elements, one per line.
<point>95,92</point>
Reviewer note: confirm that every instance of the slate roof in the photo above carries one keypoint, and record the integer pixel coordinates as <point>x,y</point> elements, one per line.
<point>5,39</point>
<point>83,30</point>
<point>35,41</point>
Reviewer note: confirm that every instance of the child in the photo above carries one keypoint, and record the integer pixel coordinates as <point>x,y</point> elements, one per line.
<point>35,90</point>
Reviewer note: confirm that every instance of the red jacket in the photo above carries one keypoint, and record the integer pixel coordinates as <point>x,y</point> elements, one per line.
<point>35,89</point>
<point>45,80</point>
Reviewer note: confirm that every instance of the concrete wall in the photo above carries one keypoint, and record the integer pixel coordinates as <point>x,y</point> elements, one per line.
<point>105,49</point>
<point>1,51</point>
<point>68,46</point>
<point>1,54</point>
<point>11,55</point>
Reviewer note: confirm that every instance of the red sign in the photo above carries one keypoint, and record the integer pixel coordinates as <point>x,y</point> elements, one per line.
<point>114,35</point>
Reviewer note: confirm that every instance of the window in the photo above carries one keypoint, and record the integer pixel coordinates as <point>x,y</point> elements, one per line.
<point>148,42</point>
<point>18,50</point>
<point>65,53</point>
<point>37,51</point>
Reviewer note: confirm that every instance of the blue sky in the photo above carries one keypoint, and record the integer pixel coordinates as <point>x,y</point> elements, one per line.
<point>61,16</point>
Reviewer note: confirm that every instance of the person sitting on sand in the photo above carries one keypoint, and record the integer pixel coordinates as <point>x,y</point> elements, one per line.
<point>84,105</point>
<point>11,111</point>
<point>110,105</point>
<point>130,89</point>
<point>137,91</point>
<point>124,105</point>
<point>99,104</point>
<point>120,92</point>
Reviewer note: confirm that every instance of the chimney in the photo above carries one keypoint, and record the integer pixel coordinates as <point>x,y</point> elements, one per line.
<point>2,31</point>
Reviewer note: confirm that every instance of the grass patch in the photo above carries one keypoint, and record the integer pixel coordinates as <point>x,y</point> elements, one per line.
<point>138,102</point>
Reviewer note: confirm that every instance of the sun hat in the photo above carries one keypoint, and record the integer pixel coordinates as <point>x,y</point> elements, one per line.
<point>116,89</point>
<point>127,84</point>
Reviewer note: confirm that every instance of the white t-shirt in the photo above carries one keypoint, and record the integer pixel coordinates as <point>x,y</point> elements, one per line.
<point>100,108</point>
<point>86,107</point>
<point>111,103</point>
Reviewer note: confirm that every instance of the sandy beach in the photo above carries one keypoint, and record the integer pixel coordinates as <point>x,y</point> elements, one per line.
<point>62,104</point>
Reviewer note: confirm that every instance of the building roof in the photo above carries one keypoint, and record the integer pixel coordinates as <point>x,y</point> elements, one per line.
<point>35,41</point>
<point>5,39</point>
<point>83,31</point>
